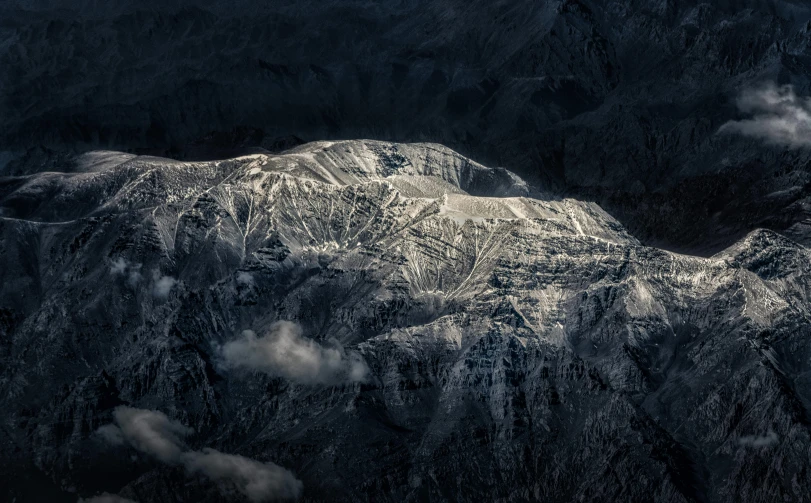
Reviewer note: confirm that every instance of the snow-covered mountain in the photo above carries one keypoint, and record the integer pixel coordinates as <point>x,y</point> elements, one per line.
<point>369,321</point>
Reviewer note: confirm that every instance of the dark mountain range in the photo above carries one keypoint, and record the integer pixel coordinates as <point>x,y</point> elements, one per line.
<point>613,101</point>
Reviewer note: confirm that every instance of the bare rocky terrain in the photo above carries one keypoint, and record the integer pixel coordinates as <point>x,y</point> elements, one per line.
<point>457,335</point>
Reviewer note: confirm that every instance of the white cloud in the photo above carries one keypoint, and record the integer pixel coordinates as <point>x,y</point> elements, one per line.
<point>258,481</point>
<point>767,440</point>
<point>153,433</point>
<point>163,286</point>
<point>149,431</point>
<point>779,116</point>
<point>284,352</point>
<point>106,498</point>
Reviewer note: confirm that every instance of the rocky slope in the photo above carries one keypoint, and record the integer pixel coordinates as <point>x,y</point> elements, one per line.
<point>614,101</point>
<point>436,344</point>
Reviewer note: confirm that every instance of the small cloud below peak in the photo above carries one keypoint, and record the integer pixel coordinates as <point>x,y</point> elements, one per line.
<point>163,286</point>
<point>284,352</point>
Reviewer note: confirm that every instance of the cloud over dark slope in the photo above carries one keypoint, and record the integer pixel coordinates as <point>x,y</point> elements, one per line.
<point>154,433</point>
<point>779,116</point>
<point>285,352</point>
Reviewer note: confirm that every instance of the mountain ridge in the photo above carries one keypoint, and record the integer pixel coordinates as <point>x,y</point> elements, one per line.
<point>602,100</point>
<point>517,348</point>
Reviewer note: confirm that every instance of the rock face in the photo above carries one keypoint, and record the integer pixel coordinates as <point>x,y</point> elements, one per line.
<point>618,102</point>
<point>515,348</point>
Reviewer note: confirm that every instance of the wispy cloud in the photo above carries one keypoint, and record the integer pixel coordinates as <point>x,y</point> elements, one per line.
<point>122,267</point>
<point>118,266</point>
<point>245,278</point>
<point>258,481</point>
<point>767,440</point>
<point>106,498</point>
<point>148,431</point>
<point>779,116</point>
<point>134,276</point>
<point>154,433</point>
<point>285,352</point>
<point>163,285</point>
